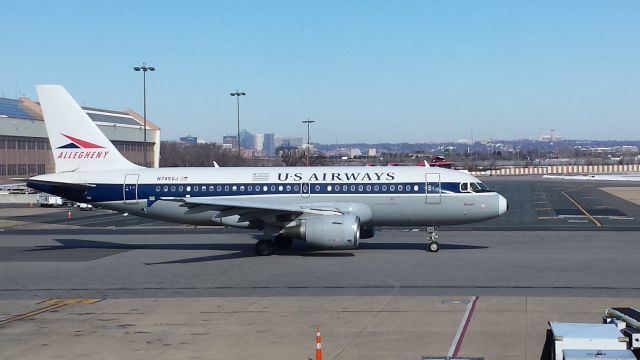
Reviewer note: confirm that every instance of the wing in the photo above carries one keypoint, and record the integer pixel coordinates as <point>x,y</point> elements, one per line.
<point>267,212</point>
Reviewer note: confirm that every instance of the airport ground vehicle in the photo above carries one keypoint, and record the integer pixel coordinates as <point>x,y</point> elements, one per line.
<point>46,200</point>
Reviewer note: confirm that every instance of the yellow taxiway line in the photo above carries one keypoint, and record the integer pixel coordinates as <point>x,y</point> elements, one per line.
<point>52,305</point>
<point>593,220</point>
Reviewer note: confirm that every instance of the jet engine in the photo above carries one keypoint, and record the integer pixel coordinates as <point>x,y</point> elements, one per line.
<point>367,231</point>
<point>327,231</point>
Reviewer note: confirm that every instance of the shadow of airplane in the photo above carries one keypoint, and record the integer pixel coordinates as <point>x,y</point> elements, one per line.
<point>235,250</point>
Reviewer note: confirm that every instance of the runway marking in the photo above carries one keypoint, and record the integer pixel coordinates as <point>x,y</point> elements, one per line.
<point>539,202</point>
<point>593,220</point>
<point>462,328</point>
<point>52,305</point>
<point>541,209</point>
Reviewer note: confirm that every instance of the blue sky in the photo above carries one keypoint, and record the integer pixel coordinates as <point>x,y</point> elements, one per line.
<point>366,71</point>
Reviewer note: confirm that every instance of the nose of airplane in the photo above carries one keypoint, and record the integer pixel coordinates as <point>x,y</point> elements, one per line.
<point>502,205</point>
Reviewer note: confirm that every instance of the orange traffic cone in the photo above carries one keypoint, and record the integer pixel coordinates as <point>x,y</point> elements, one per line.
<point>318,344</point>
<point>69,215</point>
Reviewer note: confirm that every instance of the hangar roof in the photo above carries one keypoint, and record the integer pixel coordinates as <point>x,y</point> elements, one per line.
<point>25,108</point>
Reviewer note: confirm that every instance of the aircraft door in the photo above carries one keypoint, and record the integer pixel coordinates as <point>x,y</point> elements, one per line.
<point>432,188</point>
<point>305,189</point>
<point>130,188</point>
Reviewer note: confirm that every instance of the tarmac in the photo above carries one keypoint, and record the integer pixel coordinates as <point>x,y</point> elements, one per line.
<point>103,285</point>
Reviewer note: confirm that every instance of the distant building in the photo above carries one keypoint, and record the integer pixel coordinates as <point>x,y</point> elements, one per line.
<point>372,152</point>
<point>24,145</point>
<point>258,141</point>
<point>355,152</point>
<point>269,145</point>
<point>191,140</point>
<point>231,140</point>
<point>246,139</point>
<point>289,141</point>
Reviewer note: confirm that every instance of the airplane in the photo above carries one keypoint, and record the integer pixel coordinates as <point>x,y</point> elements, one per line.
<point>328,207</point>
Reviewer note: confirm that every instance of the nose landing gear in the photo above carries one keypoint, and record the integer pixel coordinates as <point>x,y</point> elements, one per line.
<point>432,244</point>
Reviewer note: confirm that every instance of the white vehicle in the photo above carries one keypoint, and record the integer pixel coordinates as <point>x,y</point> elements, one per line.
<point>46,200</point>
<point>84,206</point>
<point>328,207</point>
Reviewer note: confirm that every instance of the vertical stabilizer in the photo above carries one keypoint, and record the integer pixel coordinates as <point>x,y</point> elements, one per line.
<point>76,141</point>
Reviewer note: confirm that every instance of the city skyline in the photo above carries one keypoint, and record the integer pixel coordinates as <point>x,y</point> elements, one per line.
<point>365,71</point>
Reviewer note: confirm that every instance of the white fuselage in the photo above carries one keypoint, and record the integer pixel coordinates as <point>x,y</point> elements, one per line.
<point>396,196</point>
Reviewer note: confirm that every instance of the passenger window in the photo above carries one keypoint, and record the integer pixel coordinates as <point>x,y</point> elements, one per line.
<point>189,188</point>
<point>353,188</point>
<point>296,188</point>
<point>317,188</point>
<point>376,187</point>
<point>173,188</point>
<point>226,188</point>
<point>211,188</point>
<point>368,188</point>
<point>250,187</point>
<point>241,187</point>
<point>288,187</point>
<point>180,188</point>
<point>384,187</point>
<point>328,187</point>
<point>234,188</point>
<point>166,188</point>
<point>157,188</point>
<point>416,188</point>
<point>264,188</point>
<point>392,187</point>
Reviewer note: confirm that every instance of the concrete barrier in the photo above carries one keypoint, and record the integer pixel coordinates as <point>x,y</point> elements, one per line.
<point>18,198</point>
<point>560,169</point>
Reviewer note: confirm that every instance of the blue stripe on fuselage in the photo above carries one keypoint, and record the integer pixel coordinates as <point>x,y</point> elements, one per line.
<point>114,192</point>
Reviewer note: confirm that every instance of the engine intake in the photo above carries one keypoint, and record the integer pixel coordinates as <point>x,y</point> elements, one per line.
<point>327,232</point>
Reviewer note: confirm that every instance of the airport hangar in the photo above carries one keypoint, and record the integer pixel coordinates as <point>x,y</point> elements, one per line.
<point>24,146</point>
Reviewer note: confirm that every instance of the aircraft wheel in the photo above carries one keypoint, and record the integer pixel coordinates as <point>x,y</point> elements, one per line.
<point>265,248</point>
<point>433,246</point>
<point>283,242</point>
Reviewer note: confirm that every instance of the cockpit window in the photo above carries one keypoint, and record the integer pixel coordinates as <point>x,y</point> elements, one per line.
<point>479,188</point>
<point>464,187</point>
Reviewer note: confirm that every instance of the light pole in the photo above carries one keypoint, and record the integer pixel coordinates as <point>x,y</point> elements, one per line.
<point>144,68</point>
<point>237,94</point>
<point>308,122</point>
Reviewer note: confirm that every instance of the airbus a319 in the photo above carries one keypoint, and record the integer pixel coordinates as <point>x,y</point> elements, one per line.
<point>328,207</point>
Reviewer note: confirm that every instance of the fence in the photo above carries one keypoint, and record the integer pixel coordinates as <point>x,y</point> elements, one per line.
<point>561,169</point>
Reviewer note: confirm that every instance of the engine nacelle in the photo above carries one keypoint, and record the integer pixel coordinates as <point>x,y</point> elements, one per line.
<point>327,232</point>
<point>367,231</point>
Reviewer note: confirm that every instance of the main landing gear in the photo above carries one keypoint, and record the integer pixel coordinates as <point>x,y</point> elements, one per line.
<point>432,244</point>
<point>268,247</point>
